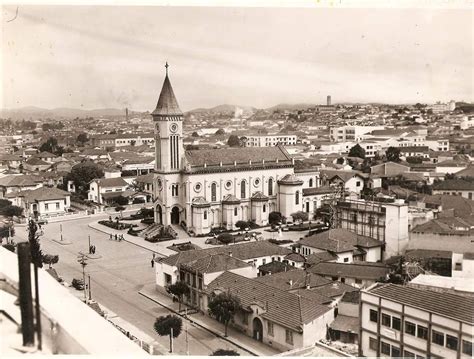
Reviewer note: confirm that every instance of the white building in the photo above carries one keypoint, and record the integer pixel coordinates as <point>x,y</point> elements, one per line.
<point>270,140</point>
<point>401,321</point>
<point>351,133</point>
<point>102,189</point>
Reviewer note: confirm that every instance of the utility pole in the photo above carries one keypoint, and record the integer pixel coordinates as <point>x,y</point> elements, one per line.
<point>61,230</point>
<point>83,261</point>
<point>171,340</point>
<point>26,300</point>
<point>89,244</point>
<point>186,330</point>
<point>90,288</point>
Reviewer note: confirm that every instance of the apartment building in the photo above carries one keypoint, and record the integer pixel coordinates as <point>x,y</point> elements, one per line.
<point>403,321</point>
<point>351,133</point>
<point>270,140</point>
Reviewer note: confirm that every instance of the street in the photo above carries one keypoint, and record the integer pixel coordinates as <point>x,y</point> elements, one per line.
<point>116,278</point>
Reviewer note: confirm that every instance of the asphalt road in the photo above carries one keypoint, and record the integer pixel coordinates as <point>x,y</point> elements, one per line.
<point>116,278</point>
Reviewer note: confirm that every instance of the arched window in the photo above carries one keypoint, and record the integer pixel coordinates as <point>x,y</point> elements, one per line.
<point>264,208</point>
<point>297,197</point>
<point>235,211</point>
<point>242,189</point>
<point>270,187</point>
<point>205,214</point>
<point>213,192</point>
<point>311,182</point>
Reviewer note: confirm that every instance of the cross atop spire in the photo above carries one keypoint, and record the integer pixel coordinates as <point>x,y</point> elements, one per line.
<point>167,104</point>
<point>166,66</point>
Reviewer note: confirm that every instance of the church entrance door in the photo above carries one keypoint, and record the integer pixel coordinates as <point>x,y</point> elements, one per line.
<point>175,215</point>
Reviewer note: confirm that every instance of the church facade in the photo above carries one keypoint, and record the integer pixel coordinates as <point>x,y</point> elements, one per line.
<point>204,189</point>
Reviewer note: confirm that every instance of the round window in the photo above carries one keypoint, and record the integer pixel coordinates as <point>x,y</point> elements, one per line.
<point>197,187</point>
<point>228,184</point>
<point>256,182</point>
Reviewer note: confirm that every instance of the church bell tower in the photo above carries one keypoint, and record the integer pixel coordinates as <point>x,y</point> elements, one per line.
<point>168,120</point>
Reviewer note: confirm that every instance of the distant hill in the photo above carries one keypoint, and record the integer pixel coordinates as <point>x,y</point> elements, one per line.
<point>291,107</point>
<point>223,109</point>
<point>58,113</point>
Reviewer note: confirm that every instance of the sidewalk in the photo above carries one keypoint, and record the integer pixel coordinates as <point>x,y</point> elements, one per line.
<point>235,337</point>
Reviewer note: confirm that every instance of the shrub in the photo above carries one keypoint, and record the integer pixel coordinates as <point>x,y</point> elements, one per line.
<point>163,325</point>
<point>148,220</point>
<point>300,216</point>
<point>274,217</point>
<point>224,352</point>
<point>119,209</point>
<point>225,238</point>
<point>121,200</point>
<point>242,225</point>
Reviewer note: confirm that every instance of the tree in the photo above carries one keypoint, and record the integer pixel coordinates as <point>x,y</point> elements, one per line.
<point>224,352</point>
<point>167,325</point>
<point>192,147</point>
<point>357,151</point>
<point>340,161</point>
<point>51,145</point>
<point>195,134</point>
<point>300,216</point>
<point>233,141</point>
<point>242,225</point>
<point>223,306</point>
<point>393,154</point>
<point>220,131</point>
<point>225,238</point>
<point>50,259</point>
<point>82,173</point>
<point>178,289</point>
<point>12,211</point>
<point>274,217</point>
<point>82,138</point>
<point>133,142</point>
<point>121,200</point>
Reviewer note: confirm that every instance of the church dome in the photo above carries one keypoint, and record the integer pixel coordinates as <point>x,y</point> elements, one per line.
<point>290,179</point>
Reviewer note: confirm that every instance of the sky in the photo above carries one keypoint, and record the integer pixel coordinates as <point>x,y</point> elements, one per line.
<point>113,56</point>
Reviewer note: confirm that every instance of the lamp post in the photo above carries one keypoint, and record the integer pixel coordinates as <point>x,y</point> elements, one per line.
<point>83,262</point>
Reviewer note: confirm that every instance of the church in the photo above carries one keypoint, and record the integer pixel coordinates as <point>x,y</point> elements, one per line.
<point>208,188</point>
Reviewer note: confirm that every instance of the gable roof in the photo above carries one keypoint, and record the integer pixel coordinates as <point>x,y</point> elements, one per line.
<point>317,190</point>
<point>365,270</point>
<point>339,240</point>
<point>20,180</point>
<point>215,263</point>
<point>448,225</point>
<point>344,175</point>
<point>239,156</point>
<point>460,205</point>
<point>40,194</point>
<point>294,279</point>
<point>454,184</point>
<point>111,182</point>
<point>242,251</point>
<point>445,304</point>
<point>284,308</point>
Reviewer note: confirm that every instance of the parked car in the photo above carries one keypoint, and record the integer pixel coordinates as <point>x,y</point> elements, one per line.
<point>78,284</point>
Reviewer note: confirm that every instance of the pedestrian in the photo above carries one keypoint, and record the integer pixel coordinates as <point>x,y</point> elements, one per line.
<point>116,236</point>
<point>152,263</point>
<point>110,238</point>
<point>93,249</point>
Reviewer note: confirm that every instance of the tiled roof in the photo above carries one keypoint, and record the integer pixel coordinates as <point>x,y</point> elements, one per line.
<point>275,267</point>
<point>344,323</point>
<point>415,149</point>
<point>342,174</point>
<point>314,258</point>
<point>317,190</point>
<point>20,180</point>
<point>294,279</point>
<point>9,157</point>
<point>242,251</point>
<point>45,154</point>
<point>200,202</point>
<point>339,240</point>
<point>314,295</point>
<point>428,254</point>
<point>461,206</point>
<point>148,178</point>
<point>259,196</point>
<point>40,194</point>
<point>290,179</point>
<point>467,172</point>
<point>447,225</point>
<point>239,156</point>
<point>215,263</point>
<point>230,198</point>
<point>284,308</point>
<point>452,163</point>
<point>167,104</point>
<point>445,304</point>
<point>351,297</point>
<point>454,184</point>
<point>111,182</point>
<point>295,257</point>
<point>366,270</point>
<point>37,162</point>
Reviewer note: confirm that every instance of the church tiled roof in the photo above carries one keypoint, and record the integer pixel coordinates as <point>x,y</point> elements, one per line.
<point>167,104</point>
<point>259,196</point>
<point>247,156</point>
<point>291,179</point>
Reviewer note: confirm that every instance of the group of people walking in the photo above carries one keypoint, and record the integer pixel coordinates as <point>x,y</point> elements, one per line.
<point>117,237</point>
<point>92,249</point>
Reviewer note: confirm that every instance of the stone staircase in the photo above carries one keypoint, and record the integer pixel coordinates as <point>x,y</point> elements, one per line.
<point>151,230</point>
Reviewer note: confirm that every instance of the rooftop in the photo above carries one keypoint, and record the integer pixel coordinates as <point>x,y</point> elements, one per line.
<point>365,270</point>
<point>445,304</point>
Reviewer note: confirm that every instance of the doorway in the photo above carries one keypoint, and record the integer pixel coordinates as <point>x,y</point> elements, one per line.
<point>257,329</point>
<point>175,215</point>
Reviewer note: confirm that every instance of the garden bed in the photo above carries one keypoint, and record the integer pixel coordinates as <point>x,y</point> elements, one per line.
<point>115,225</point>
<point>182,247</point>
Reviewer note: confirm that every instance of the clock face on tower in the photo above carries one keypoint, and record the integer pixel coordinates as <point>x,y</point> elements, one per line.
<point>173,127</point>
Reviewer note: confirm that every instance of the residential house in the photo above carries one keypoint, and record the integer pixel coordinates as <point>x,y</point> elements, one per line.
<point>352,181</point>
<point>273,316</point>
<point>103,190</point>
<point>357,274</point>
<point>15,183</point>
<point>459,187</point>
<point>43,202</point>
<point>346,245</point>
<point>36,165</point>
<point>345,328</point>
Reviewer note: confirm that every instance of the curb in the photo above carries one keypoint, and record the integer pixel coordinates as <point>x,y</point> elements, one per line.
<point>199,324</point>
<point>96,226</point>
